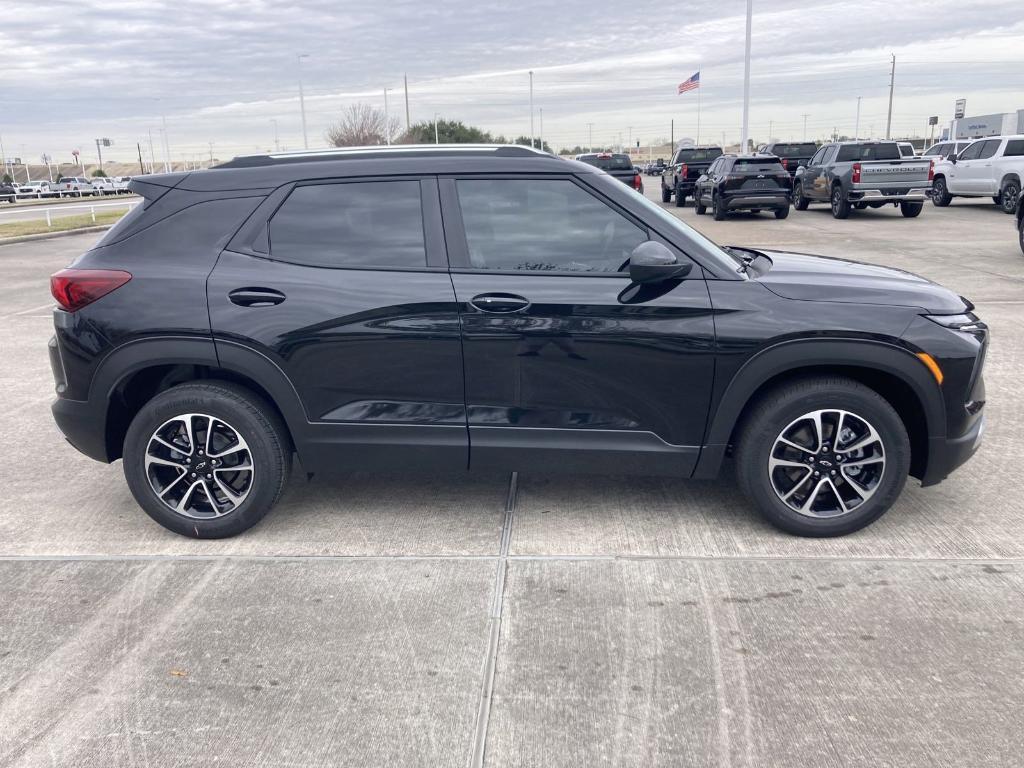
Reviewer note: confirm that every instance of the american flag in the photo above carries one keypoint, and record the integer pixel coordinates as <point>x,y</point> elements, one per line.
<point>691,83</point>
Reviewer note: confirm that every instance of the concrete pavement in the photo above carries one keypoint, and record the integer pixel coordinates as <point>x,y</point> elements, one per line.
<point>380,620</point>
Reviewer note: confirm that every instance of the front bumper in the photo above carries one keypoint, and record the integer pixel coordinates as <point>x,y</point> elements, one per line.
<point>945,454</point>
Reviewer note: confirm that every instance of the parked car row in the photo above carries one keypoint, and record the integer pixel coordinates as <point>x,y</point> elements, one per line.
<point>992,167</point>
<point>67,186</point>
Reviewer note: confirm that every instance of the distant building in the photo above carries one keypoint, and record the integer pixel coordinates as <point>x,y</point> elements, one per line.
<point>979,126</point>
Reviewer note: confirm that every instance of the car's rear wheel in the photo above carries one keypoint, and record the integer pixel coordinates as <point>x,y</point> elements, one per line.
<point>911,209</point>
<point>782,213</point>
<point>208,459</point>
<point>698,207</point>
<point>666,194</point>
<point>1020,233</point>
<point>680,198</point>
<point>824,456</point>
<point>717,208</point>
<point>1009,196</point>
<point>840,205</point>
<point>799,201</point>
<point>940,193</point>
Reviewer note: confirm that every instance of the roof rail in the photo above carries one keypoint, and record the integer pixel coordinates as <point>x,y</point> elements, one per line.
<point>343,153</point>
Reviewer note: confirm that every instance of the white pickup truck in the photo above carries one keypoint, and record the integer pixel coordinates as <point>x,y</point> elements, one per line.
<point>992,167</point>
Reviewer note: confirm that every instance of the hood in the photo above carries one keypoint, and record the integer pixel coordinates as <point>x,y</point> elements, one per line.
<point>803,277</point>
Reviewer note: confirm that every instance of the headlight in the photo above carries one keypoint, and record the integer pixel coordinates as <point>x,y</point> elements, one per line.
<point>968,323</point>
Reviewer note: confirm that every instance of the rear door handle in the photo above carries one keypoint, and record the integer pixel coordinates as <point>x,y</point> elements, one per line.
<point>499,302</point>
<point>256,297</point>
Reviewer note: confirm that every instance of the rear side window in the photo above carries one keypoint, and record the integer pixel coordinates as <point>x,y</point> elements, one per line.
<point>364,224</point>
<point>1014,148</point>
<point>544,225</point>
<point>849,152</point>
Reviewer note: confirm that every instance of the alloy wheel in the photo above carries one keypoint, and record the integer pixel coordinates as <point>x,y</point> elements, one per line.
<point>826,463</point>
<point>199,466</point>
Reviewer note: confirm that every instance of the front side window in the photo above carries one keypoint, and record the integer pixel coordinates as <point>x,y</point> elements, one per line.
<point>544,225</point>
<point>989,149</point>
<point>973,151</point>
<point>365,224</point>
<point>816,160</point>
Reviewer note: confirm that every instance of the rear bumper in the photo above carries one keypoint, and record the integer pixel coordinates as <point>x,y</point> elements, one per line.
<point>945,454</point>
<point>901,194</point>
<point>82,427</point>
<point>775,200</point>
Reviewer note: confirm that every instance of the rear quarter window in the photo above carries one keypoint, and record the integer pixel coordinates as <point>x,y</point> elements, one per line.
<point>1014,148</point>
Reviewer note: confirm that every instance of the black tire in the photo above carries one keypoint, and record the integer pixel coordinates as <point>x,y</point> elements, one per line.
<point>698,207</point>
<point>1020,233</point>
<point>799,201</point>
<point>254,420</point>
<point>717,210</point>
<point>997,199</point>
<point>786,405</point>
<point>666,194</point>
<point>911,209</point>
<point>782,213</point>
<point>1008,196</point>
<point>940,193</point>
<point>680,198</point>
<point>840,205</point>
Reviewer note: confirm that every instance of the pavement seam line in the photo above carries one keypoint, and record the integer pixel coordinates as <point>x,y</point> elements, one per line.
<point>483,715</point>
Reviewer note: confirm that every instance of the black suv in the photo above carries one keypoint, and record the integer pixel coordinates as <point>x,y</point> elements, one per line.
<point>744,183</point>
<point>792,154</point>
<point>484,308</point>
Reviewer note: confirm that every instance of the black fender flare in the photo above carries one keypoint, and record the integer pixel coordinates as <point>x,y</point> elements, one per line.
<point>791,356</point>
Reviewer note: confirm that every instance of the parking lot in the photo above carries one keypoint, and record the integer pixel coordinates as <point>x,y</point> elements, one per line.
<point>529,621</point>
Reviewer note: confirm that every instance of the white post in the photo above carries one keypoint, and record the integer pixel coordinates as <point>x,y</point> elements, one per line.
<point>531,110</point>
<point>856,127</point>
<point>744,135</point>
<point>167,147</point>
<point>302,102</point>
<point>387,119</point>
<point>48,223</point>
<point>541,128</point>
<point>698,105</point>
<point>92,210</point>
<point>436,140</point>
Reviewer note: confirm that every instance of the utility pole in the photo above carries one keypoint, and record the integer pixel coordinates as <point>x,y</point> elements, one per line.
<point>630,140</point>
<point>746,81</point>
<point>387,118</point>
<point>590,146</point>
<point>405,81</point>
<point>531,109</point>
<point>99,153</point>
<point>211,153</point>
<point>672,137</point>
<point>892,86</point>
<point>277,144</point>
<point>856,129</point>
<point>541,128</point>
<point>152,155</point>
<point>805,126</point>
<point>302,102</point>
<point>142,168</point>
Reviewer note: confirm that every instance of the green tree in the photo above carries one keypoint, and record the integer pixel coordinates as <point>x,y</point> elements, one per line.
<point>525,141</point>
<point>7,179</point>
<point>99,174</point>
<point>448,132</point>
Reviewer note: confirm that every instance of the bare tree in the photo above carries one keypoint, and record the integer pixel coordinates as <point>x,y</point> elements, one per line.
<point>361,125</point>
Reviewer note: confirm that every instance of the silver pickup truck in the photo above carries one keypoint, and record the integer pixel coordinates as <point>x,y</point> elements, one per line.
<point>863,174</point>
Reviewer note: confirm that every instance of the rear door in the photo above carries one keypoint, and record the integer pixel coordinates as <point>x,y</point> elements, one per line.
<point>962,173</point>
<point>985,177</point>
<point>344,287</point>
<point>567,361</point>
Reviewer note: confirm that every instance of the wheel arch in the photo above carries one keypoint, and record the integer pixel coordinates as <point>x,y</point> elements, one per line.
<point>1010,176</point>
<point>891,371</point>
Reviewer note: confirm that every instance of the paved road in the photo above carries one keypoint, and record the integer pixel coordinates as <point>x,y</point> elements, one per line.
<point>410,621</point>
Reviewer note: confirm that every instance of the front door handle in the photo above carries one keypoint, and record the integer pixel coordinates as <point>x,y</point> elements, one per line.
<point>255,297</point>
<point>499,302</point>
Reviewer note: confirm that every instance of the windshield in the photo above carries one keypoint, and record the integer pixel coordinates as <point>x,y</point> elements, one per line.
<point>849,152</point>
<point>607,162</point>
<point>797,150</point>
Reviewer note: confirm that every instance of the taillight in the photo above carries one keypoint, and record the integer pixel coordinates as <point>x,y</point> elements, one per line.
<point>856,173</point>
<point>77,288</point>
<point>931,171</point>
<point>682,171</point>
<point>785,163</point>
<point>637,182</point>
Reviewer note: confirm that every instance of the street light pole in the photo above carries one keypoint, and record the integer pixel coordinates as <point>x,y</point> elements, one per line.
<point>590,143</point>
<point>541,128</point>
<point>167,146</point>
<point>387,119</point>
<point>856,128</point>
<point>805,126</point>
<point>277,144</point>
<point>302,102</point>
<point>744,136</point>
<point>892,87</point>
<point>531,110</point>
<point>436,141</point>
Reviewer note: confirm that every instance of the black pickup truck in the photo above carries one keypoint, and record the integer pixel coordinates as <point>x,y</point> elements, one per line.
<point>619,166</point>
<point>688,165</point>
<point>791,153</point>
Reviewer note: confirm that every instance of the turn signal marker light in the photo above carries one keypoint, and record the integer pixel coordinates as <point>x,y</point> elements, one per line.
<point>931,365</point>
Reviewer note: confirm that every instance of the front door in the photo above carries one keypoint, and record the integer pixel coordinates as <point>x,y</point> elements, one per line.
<point>568,363</point>
<point>353,302</point>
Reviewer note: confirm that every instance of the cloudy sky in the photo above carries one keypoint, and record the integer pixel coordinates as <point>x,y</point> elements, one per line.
<point>223,72</point>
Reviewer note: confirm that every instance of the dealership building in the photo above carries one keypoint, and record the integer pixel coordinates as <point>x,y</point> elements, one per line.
<point>979,126</point>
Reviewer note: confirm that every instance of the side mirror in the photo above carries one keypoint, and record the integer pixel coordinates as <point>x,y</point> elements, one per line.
<point>652,262</point>
<point>952,158</point>
<point>801,165</point>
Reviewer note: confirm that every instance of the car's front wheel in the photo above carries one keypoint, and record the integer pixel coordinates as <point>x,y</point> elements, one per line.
<point>799,201</point>
<point>698,206</point>
<point>911,209</point>
<point>840,205</point>
<point>207,459</point>
<point>940,193</point>
<point>823,456</point>
<point>782,213</point>
<point>1008,197</point>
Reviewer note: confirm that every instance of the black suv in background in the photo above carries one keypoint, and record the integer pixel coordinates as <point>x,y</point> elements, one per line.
<point>482,307</point>
<point>744,183</point>
<point>792,154</point>
<point>688,164</point>
<point>618,166</point>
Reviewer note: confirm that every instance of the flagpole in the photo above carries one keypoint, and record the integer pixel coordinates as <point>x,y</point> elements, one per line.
<point>698,105</point>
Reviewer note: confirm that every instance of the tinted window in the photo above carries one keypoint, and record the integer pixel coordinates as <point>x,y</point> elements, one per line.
<point>607,162</point>
<point>989,149</point>
<point>906,150</point>
<point>752,165</point>
<point>937,149</point>
<point>972,152</point>
<point>543,225</point>
<point>816,160</point>
<point>364,224</point>
<point>830,155</point>
<point>697,155</point>
<point>795,150</point>
<point>1014,148</point>
<point>868,152</point>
